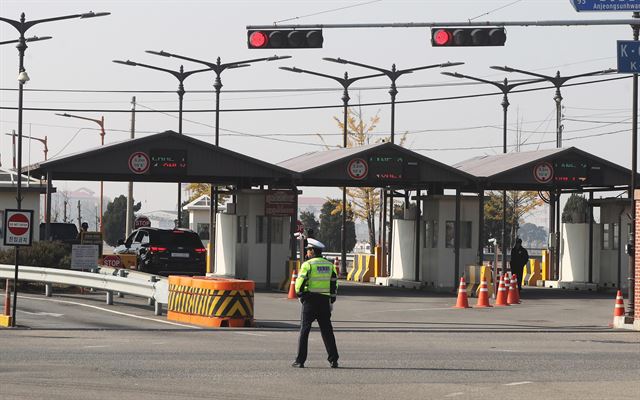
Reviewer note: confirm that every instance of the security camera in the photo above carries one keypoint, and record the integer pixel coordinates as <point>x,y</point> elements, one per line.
<point>23,77</point>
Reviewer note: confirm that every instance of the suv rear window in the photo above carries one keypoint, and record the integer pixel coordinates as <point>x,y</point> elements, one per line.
<point>176,238</point>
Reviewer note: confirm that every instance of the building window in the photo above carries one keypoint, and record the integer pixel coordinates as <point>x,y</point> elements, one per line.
<point>430,239</point>
<point>615,230</point>
<point>465,234</point>
<point>242,229</point>
<point>606,236</point>
<point>276,229</point>
<point>203,230</point>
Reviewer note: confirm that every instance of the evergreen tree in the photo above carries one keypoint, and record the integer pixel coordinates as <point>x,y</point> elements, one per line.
<point>331,225</point>
<point>310,223</point>
<point>115,219</point>
<point>575,211</point>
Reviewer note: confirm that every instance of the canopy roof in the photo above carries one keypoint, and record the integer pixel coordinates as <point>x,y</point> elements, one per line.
<point>163,157</point>
<point>374,165</point>
<point>569,168</point>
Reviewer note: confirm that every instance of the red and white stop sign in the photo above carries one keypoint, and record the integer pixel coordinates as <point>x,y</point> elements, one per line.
<point>113,261</point>
<point>141,222</point>
<point>299,226</point>
<point>18,224</point>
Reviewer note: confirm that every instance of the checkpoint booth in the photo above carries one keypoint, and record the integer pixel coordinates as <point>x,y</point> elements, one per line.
<point>394,168</point>
<point>171,157</point>
<point>582,255</point>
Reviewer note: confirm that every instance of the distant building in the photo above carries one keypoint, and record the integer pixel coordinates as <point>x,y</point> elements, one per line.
<point>164,219</point>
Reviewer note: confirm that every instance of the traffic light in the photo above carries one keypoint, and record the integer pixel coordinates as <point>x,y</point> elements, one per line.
<point>284,39</point>
<point>451,37</point>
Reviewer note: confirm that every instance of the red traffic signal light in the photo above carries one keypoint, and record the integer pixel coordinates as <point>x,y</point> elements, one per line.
<point>284,38</point>
<point>469,37</point>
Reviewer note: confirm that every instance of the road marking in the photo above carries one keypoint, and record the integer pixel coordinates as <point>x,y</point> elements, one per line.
<point>517,383</point>
<point>48,314</point>
<point>111,311</point>
<point>250,334</point>
<point>95,347</point>
<point>405,309</point>
<point>454,394</point>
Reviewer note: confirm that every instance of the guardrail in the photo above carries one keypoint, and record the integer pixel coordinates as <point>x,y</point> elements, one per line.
<point>156,290</point>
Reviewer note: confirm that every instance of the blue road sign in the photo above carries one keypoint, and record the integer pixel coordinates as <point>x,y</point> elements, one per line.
<point>606,5</point>
<point>628,56</point>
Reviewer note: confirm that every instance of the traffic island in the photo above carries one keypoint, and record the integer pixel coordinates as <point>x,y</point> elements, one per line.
<point>211,302</point>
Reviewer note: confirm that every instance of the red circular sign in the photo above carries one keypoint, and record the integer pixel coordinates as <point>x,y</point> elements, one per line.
<point>139,162</point>
<point>299,226</point>
<point>112,261</point>
<point>543,172</point>
<point>141,222</point>
<point>18,224</point>
<point>357,168</point>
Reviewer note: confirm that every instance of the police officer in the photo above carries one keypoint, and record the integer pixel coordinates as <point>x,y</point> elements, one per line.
<point>316,286</point>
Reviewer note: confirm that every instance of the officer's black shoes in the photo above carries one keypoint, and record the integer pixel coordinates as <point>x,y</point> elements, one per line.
<point>334,364</point>
<point>297,365</point>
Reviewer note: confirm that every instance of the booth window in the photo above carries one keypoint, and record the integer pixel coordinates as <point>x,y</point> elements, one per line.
<point>607,234</point>
<point>242,229</point>
<point>465,234</point>
<point>430,238</point>
<point>276,229</point>
<point>203,230</point>
<point>616,236</point>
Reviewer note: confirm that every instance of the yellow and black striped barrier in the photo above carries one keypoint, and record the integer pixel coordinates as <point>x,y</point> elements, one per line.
<point>291,266</point>
<point>211,302</point>
<point>363,268</point>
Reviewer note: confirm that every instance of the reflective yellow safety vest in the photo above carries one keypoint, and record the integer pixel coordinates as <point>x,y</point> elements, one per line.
<point>317,275</point>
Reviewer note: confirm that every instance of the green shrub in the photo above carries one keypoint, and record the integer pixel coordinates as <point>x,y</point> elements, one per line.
<point>40,254</point>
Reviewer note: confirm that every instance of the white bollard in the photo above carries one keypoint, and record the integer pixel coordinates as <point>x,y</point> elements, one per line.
<point>48,289</point>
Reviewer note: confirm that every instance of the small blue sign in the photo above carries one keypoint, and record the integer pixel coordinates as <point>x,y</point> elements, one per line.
<point>606,5</point>
<point>628,56</point>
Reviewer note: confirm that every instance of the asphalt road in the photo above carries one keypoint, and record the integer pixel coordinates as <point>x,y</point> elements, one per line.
<point>394,344</point>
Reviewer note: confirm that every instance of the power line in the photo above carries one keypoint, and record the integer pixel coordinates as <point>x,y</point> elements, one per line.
<point>270,109</point>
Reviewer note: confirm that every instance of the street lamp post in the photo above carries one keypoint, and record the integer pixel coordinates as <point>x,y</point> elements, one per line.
<point>22,26</point>
<point>218,67</point>
<point>180,75</point>
<point>100,123</point>
<point>393,74</point>
<point>345,82</point>
<point>505,87</point>
<point>557,81</point>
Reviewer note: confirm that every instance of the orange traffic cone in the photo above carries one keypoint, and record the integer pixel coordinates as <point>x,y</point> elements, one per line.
<point>292,286</point>
<point>501,298</point>
<point>462,302</point>
<point>513,296</point>
<point>618,310</point>
<point>483,295</point>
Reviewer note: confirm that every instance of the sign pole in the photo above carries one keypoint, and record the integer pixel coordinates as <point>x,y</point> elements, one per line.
<point>634,169</point>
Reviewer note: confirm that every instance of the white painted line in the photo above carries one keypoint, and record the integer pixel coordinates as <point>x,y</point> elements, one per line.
<point>110,311</point>
<point>517,383</point>
<point>94,347</point>
<point>48,314</point>
<point>454,394</point>
<point>250,334</point>
<point>406,309</point>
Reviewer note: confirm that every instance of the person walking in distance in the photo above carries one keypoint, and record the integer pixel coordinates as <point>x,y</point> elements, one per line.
<point>519,258</point>
<point>316,287</point>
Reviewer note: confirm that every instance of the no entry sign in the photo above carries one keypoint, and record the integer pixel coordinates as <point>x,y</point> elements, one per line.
<point>19,227</point>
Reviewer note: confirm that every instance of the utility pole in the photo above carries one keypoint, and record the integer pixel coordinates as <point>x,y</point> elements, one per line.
<point>79,215</point>
<point>129,223</point>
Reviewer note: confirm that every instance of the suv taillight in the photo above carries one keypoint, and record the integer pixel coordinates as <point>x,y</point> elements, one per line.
<point>201,250</point>
<point>157,249</point>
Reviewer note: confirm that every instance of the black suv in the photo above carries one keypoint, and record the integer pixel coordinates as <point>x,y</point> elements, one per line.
<point>166,251</point>
<point>61,231</point>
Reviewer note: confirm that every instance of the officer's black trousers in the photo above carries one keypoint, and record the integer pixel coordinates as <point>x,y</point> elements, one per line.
<point>316,307</point>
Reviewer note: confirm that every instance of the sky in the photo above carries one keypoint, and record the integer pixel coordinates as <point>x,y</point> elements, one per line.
<point>74,73</point>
